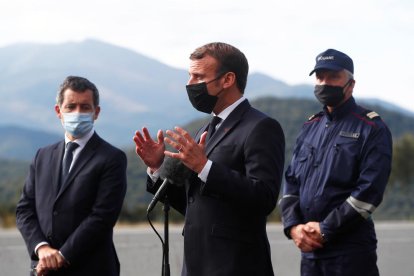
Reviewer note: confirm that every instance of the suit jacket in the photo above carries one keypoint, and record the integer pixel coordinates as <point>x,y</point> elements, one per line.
<point>225,217</point>
<point>78,220</point>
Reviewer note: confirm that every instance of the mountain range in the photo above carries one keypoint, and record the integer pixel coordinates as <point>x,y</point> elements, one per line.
<point>135,91</point>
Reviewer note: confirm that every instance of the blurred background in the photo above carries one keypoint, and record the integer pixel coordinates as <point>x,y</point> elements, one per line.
<point>136,52</point>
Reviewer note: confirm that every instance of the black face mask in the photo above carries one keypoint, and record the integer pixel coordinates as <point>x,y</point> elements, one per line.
<point>199,97</point>
<point>330,95</point>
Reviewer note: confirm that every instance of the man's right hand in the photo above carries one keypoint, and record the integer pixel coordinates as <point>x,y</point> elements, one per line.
<point>305,238</point>
<point>49,259</point>
<point>150,152</point>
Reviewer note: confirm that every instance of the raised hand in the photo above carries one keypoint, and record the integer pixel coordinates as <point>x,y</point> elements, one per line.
<point>150,152</point>
<point>190,152</point>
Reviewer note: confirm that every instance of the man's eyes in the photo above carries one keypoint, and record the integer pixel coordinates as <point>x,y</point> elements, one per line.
<point>82,107</point>
<point>330,77</point>
<point>70,106</point>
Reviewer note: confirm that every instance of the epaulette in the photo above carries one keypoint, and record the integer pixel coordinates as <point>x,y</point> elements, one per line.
<point>371,114</point>
<point>319,114</point>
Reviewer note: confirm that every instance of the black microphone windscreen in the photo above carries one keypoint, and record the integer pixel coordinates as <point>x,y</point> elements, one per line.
<point>176,172</point>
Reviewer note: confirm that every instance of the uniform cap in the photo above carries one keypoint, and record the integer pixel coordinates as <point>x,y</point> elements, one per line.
<point>332,59</point>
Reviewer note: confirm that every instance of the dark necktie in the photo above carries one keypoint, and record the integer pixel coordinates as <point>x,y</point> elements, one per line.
<point>67,159</point>
<point>212,126</point>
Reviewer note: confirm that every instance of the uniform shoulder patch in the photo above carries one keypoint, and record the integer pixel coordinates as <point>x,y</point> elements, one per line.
<point>319,114</point>
<point>372,114</point>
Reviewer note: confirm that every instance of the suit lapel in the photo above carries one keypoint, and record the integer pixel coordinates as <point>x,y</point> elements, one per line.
<point>227,126</point>
<point>201,131</point>
<point>85,155</point>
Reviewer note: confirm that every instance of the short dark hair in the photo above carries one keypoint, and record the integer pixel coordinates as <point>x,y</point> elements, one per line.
<point>229,58</point>
<point>77,84</point>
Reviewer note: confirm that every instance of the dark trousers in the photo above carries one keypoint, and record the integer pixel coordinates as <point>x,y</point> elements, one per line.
<point>355,264</point>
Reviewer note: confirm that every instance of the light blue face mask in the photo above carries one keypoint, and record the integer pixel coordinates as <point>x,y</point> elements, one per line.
<point>77,124</point>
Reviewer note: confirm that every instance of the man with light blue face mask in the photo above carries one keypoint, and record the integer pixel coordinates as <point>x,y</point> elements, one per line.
<point>79,111</point>
<point>74,192</point>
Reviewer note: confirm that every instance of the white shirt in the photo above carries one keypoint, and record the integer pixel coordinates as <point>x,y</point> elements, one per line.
<point>223,115</point>
<point>82,141</point>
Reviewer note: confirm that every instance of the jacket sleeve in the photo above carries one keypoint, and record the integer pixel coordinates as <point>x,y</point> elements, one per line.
<point>26,218</point>
<point>374,170</point>
<point>289,203</point>
<point>176,194</point>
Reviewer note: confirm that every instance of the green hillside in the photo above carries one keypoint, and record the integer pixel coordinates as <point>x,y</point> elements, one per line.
<point>291,113</point>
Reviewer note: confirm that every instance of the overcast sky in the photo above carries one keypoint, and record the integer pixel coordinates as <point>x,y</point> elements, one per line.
<point>279,38</point>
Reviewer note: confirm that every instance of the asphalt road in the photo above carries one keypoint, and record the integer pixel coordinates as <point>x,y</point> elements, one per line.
<point>139,251</point>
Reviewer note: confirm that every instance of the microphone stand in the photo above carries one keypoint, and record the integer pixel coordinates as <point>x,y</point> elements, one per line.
<point>166,261</point>
<point>165,270</point>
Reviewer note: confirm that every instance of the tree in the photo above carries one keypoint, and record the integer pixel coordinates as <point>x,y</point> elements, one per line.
<point>402,173</point>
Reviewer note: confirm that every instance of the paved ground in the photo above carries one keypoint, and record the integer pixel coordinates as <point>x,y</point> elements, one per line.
<point>139,251</point>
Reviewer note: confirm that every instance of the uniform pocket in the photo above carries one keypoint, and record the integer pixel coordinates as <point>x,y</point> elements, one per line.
<point>303,161</point>
<point>345,157</point>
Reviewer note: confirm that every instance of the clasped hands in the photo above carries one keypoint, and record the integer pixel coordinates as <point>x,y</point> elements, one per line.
<point>307,237</point>
<point>49,259</point>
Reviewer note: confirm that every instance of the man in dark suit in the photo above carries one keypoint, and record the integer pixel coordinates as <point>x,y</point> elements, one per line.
<point>236,171</point>
<point>68,208</point>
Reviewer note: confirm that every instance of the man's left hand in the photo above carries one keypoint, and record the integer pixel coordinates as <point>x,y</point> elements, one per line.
<point>189,152</point>
<point>314,230</point>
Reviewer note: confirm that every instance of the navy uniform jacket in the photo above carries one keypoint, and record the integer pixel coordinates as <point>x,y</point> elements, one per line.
<point>225,218</point>
<point>78,220</point>
<point>337,176</point>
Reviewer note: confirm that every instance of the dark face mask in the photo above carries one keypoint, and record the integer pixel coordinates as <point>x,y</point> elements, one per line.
<point>330,95</point>
<point>199,97</point>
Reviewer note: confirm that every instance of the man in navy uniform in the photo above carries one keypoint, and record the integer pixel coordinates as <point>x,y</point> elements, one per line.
<point>337,177</point>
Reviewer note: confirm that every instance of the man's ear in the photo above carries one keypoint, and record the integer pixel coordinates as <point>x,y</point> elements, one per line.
<point>58,113</point>
<point>353,84</point>
<point>229,79</point>
<point>97,110</point>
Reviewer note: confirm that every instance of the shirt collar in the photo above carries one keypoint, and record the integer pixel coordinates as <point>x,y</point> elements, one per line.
<point>226,112</point>
<point>82,140</point>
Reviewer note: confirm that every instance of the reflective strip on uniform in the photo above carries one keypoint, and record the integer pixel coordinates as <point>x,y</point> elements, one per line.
<point>363,208</point>
<point>287,196</point>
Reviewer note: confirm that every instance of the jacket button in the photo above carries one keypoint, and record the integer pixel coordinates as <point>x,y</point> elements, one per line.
<point>190,199</point>
<point>55,213</point>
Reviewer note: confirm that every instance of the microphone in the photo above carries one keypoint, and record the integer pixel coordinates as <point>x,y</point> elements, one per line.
<point>158,195</point>
<point>174,172</point>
